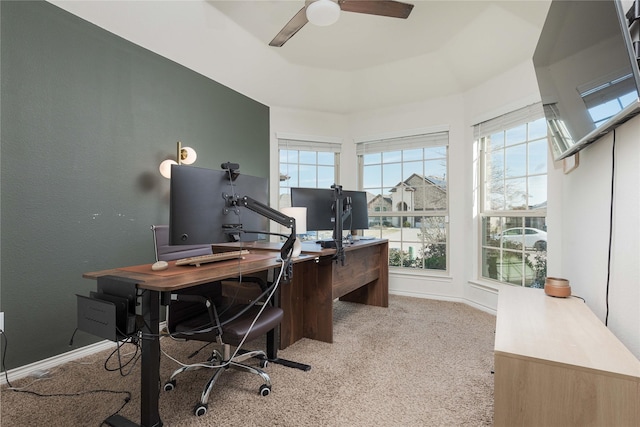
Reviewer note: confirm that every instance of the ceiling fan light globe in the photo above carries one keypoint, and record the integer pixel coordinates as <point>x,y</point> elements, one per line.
<point>323,12</point>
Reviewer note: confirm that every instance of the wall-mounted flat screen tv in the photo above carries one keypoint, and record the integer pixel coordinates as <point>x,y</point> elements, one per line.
<point>587,72</point>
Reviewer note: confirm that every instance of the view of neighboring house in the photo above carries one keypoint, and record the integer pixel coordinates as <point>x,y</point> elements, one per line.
<point>415,194</point>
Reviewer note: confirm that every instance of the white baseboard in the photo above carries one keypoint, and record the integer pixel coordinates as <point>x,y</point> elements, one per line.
<point>445,298</point>
<point>52,362</point>
<point>60,359</point>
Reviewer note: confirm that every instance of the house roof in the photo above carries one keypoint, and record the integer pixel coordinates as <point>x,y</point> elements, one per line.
<point>439,183</point>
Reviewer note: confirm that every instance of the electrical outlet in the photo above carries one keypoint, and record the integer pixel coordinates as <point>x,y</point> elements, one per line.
<point>1,321</point>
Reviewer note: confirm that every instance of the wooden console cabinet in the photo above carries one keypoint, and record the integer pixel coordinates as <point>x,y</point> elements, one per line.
<point>556,364</point>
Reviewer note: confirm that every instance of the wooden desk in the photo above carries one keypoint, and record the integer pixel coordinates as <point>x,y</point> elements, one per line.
<point>158,286</point>
<point>556,364</point>
<point>308,302</point>
<point>364,278</point>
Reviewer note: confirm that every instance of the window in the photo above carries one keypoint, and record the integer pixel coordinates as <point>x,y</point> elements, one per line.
<point>307,164</point>
<point>513,159</point>
<point>407,188</point>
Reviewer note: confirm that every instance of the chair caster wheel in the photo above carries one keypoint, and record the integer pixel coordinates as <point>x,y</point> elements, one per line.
<point>200,410</point>
<point>170,385</point>
<point>265,390</point>
<point>264,363</point>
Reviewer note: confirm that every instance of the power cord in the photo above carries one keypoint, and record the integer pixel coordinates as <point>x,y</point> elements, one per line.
<point>129,339</point>
<point>127,394</point>
<point>133,360</point>
<point>613,175</point>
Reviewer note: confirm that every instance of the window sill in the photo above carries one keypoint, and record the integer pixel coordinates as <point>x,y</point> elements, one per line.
<point>399,272</point>
<point>485,285</point>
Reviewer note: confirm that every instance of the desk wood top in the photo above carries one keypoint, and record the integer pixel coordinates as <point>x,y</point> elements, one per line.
<point>532,325</point>
<point>180,277</point>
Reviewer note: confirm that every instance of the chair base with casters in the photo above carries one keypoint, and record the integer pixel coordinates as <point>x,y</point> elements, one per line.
<point>236,325</point>
<point>221,363</point>
<point>209,314</point>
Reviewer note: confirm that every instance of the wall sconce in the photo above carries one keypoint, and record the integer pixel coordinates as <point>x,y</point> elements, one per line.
<point>300,215</point>
<point>184,156</point>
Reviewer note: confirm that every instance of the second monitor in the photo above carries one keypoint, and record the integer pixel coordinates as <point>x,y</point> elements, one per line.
<point>320,204</point>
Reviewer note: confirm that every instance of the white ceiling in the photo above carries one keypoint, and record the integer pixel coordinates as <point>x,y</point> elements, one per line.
<point>362,62</point>
<point>471,41</point>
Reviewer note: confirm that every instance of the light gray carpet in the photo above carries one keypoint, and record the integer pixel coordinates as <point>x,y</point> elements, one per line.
<point>419,362</point>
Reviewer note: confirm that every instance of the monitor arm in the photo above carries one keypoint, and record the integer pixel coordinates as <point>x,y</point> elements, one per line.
<point>267,212</point>
<point>346,209</point>
<point>337,230</point>
<point>273,215</point>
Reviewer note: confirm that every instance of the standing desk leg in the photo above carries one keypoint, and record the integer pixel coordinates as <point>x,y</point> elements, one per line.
<point>150,375</point>
<point>272,354</point>
<point>150,367</point>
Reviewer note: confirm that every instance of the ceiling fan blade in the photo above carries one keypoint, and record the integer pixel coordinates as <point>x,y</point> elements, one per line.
<point>391,8</point>
<point>293,26</point>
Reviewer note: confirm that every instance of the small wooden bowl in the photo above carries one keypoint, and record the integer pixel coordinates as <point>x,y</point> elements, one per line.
<point>556,287</point>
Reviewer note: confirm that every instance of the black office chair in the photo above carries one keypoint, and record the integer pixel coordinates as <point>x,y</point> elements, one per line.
<point>204,314</point>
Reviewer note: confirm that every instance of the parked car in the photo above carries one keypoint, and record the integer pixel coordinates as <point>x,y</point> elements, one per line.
<point>532,237</point>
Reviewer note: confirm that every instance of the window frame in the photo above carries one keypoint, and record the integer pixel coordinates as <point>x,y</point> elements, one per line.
<point>307,144</point>
<point>527,115</point>
<point>422,139</point>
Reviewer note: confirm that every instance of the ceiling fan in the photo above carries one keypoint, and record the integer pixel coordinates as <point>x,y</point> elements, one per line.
<point>326,12</point>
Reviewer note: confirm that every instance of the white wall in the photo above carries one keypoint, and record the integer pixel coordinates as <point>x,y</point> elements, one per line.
<point>585,231</point>
<point>309,126</point>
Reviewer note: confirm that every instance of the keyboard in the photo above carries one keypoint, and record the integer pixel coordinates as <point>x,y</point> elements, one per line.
<point>219,256</point>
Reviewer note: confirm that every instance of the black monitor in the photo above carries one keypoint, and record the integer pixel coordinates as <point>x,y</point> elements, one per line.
<point>199,212</point>
<point>320,204</point>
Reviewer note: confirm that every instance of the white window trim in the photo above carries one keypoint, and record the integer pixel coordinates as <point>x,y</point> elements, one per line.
<point>308,138</point>
<point>483,129</point>
<point>378,141</point>
<point>401,134</point>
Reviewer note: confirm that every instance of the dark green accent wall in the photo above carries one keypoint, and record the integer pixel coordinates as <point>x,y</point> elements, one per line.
<point>86,118</point>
